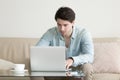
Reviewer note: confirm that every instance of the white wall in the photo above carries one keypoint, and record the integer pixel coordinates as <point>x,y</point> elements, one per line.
<point>31,18</point>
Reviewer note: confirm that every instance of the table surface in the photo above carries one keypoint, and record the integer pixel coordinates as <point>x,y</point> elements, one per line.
<point>12,73</point>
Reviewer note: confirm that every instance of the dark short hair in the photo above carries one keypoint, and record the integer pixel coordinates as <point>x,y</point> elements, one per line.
<point>65,13</point>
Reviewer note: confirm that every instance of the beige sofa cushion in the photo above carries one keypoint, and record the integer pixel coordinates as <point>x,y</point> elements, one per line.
<point>5,65</point>
<point>106,76</point>
<point>17,50</point>
<point>107,57</point>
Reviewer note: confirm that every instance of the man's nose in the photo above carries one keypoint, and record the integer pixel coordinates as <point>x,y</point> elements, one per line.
<point>62,28</point>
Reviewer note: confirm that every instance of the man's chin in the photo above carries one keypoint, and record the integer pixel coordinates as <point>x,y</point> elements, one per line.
<point>62,34</point>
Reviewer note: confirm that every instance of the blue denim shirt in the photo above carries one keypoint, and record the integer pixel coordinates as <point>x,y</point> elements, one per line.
<point>81,45</point>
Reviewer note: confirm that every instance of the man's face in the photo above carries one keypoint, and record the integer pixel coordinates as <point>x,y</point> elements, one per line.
<point>64,27</point>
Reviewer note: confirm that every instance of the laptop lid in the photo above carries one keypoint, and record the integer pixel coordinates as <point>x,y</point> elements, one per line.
<point>47,58</point>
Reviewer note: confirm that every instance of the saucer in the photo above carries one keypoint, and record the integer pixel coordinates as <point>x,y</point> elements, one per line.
<point>16,71</point>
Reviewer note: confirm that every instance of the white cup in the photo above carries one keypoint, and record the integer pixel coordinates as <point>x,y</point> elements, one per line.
<point>19,67</point>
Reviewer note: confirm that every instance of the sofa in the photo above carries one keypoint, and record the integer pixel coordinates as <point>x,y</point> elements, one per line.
<point>16,51</point>
<point>106,65</point>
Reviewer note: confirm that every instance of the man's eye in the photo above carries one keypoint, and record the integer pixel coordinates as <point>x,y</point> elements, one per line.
<point>58,24</point>
<point>65,25</point>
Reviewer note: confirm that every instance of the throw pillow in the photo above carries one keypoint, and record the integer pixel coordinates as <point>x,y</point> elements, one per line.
<point>5,65</point>
<point>107,57</point>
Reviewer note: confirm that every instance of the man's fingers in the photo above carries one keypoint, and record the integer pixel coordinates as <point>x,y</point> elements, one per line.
<point>69,63</point>
<point>67,67</point>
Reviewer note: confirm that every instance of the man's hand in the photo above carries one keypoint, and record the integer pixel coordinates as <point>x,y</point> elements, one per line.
<point>69,63</point>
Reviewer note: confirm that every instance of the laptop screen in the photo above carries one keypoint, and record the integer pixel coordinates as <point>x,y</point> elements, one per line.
<point>47,58</point>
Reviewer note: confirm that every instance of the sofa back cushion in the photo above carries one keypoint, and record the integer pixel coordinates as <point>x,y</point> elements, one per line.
<point>107,56</point>
<point>16,50</point>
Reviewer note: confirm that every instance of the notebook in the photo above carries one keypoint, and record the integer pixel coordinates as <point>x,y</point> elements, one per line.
<point>49,61</point>
<point>47,58</point>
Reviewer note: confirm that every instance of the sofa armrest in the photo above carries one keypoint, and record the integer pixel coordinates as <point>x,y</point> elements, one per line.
<point>88,71</point>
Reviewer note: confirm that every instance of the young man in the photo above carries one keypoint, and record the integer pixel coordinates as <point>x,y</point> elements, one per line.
<point>76,39</point>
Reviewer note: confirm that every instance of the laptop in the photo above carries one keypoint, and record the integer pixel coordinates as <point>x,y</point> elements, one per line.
<point>47,59</point>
